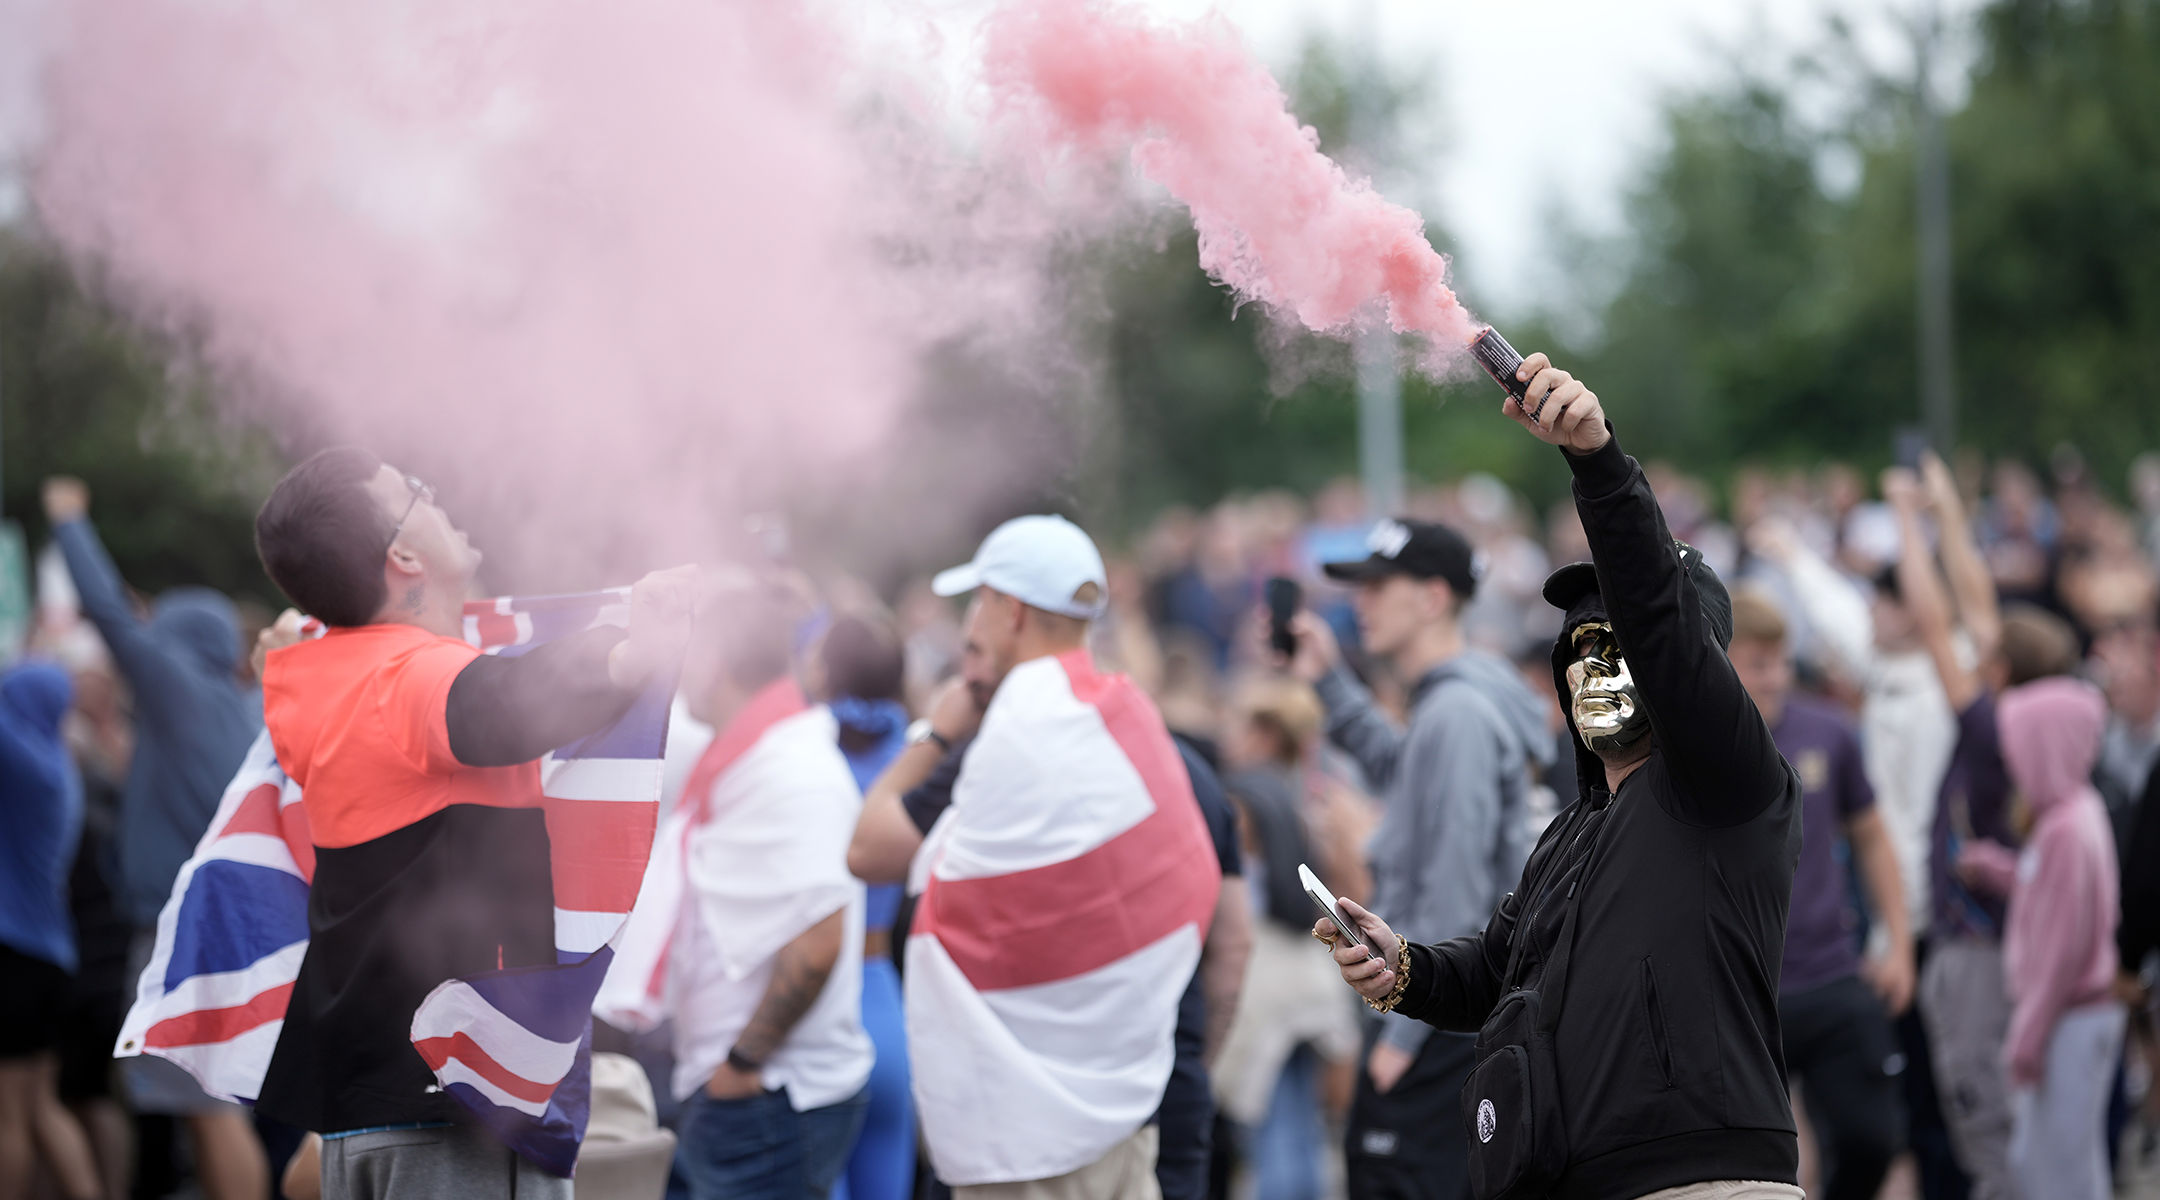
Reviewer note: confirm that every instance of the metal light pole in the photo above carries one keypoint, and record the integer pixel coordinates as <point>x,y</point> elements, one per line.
<point>1938,381</point>
<point>1380,436</point>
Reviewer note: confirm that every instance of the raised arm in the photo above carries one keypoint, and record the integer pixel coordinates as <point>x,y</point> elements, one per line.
<point>1835,611</point>
<point>1922,589</point>
<point>104,595</point>
<point>502,711</point>
<point>1717,749</point>
<point>887,834</point>
<point>1979,609</point>
<point>1354,722</point>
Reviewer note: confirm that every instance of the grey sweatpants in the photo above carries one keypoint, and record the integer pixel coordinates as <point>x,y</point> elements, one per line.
<point>461,1161</point>
<point>2059,1148</point>
<point>1967,1015</point>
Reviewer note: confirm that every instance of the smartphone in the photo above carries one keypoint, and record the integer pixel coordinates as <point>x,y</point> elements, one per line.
<point>1907,445</point>
<point>1324,900</point>
<point>1283,600</point>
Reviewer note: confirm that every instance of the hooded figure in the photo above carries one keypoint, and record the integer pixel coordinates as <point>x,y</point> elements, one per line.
<point>2059,939</point>
<point>194,719</point>
<point>1663,889</point>
<point>1573,589</point>
<point>40,815</point>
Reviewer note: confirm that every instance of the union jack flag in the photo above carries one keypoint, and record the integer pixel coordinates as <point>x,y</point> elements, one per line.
<point>515,1045</point>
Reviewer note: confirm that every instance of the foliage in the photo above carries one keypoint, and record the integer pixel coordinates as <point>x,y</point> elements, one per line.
<point>1758,313</point>
<point>1210,399</point>
<point>1765,317</point>
<point>173,489</point>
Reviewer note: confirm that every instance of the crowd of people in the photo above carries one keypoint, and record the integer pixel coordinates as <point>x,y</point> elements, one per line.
<point>992,885</point>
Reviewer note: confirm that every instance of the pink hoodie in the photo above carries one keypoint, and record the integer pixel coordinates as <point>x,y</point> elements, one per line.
<point>2059,947</point>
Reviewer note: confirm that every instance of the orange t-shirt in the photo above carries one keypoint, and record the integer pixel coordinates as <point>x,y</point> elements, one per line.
<point>356,718</point>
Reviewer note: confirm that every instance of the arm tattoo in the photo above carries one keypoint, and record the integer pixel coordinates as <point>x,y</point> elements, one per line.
<point>799,974</point>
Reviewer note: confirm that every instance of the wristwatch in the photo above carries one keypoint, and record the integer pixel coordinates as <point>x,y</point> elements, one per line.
<point>922,731</point>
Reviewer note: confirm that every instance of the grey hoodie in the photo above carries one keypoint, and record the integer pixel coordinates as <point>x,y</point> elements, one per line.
<point>1456,785</point>
<point>193,718</point>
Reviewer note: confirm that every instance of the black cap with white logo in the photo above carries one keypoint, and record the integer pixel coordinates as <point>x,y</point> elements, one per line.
<point>1420,549</point>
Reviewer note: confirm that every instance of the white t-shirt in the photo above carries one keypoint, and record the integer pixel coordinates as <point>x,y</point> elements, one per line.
<point>769,863</point>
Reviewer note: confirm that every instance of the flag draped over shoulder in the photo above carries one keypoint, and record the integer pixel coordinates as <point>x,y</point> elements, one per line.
<point>636,993</point>
<point>1066,894</point>
<point>514,1045</point>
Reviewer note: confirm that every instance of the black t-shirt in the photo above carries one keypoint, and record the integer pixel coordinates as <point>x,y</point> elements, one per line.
<point>927,801</point>
<point>1187,1115</point>
<point>465,890</point>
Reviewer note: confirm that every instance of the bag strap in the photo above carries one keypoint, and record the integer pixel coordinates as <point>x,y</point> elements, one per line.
<point>1520,936</point>
<point>1552,985</point>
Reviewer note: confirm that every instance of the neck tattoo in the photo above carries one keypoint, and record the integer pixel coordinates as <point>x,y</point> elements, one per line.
<point>415,600</point>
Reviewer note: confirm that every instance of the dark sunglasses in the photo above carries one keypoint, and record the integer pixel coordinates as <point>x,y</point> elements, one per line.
<point>420,491</point>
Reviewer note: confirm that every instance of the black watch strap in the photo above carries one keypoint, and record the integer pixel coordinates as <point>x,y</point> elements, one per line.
<point>736,1060</point>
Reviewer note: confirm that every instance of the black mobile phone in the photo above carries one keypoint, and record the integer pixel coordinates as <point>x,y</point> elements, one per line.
<point>1283,599</point>
<point>1908,444</point>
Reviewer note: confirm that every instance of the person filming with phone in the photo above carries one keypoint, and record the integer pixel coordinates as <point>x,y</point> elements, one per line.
<point>1625,994</point>
<point>1456,782</point>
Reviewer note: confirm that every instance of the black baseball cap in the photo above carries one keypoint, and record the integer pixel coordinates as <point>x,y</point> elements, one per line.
<point>1573,589</point>
<point>1419,549</point>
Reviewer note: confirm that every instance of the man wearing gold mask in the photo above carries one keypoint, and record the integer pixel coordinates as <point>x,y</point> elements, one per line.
<point>1625,994</point>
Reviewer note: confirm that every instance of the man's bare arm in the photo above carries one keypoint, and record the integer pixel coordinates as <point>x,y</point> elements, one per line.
<point>1892,974</point>
<point>1222,961</point>
<point>885,838</point>
<point>1922,587</point>
<point>1970,584</point>
<point>799,974</point>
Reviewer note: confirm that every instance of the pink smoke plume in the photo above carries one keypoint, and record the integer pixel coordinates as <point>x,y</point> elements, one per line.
<point>604,268</point>
<point>1279,222</point>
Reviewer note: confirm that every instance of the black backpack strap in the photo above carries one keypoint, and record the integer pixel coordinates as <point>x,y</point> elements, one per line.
<point>1552,984</point>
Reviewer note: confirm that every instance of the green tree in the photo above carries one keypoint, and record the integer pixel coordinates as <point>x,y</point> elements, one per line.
<point>1763,316</point>
<point>174,488</point>
<point>1210,399</point>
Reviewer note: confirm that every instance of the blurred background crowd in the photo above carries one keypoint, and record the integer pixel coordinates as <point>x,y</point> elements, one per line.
<point>1188,621</point>
<point>1751,328</point>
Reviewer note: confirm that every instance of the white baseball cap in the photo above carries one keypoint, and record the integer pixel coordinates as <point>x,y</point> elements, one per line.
<point>1043,562</point>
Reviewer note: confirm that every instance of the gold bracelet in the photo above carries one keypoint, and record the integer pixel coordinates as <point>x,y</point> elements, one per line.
<point>1402,977</point>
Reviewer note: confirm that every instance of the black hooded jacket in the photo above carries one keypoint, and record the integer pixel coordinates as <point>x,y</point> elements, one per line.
<point>1670,1059</point>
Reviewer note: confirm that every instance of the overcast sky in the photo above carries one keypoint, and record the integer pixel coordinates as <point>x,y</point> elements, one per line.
<point>1555,102</point>
<point>1545,105</point>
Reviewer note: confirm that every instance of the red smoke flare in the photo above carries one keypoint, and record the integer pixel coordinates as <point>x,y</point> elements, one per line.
<point>1279,221</point>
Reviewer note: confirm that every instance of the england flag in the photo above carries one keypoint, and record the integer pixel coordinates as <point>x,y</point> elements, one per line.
<point>1065,896</point>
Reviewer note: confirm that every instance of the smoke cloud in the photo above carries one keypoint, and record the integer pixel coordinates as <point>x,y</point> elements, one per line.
<point>610,272</point>
<point>613,274</point>
<point>1279,222</point>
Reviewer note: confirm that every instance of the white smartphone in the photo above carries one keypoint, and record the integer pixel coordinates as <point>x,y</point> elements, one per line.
<point>1324,900</point>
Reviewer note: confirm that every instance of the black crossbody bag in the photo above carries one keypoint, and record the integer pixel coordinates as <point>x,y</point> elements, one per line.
<point>1512,1117</point>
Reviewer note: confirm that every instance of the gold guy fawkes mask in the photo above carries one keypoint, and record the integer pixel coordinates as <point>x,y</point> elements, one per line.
<point>1601,691</point>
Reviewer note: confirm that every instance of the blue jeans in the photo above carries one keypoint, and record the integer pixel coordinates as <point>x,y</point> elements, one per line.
<point>760,1148</point>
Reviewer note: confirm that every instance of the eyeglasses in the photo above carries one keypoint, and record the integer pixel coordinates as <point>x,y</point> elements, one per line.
<point>420,491</point>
